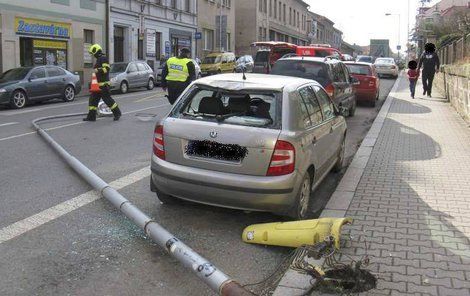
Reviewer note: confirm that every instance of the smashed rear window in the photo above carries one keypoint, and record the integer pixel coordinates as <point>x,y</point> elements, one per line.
<point>242,107</point>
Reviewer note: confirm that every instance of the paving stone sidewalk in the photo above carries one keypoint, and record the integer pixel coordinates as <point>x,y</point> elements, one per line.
<point>412,202</point>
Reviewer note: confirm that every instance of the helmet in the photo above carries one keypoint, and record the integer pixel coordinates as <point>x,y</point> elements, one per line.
<point>94,49</point>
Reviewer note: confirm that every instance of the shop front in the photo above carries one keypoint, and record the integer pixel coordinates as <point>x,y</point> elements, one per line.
<point>42,42</point>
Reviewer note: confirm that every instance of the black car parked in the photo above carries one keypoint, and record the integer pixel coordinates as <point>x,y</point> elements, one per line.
<point>20,86</point>
<point>331,73</point>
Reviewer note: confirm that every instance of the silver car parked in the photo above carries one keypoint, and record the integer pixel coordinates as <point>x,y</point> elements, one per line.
<point>263,144</point>
<point>125,76</point>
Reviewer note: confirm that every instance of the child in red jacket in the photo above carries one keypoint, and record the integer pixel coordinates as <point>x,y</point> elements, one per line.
<point>413,75</point>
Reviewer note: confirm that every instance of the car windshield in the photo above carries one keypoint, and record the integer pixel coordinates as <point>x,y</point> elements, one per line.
<point>15,74</point>
<point>242,107</point>
<point>303,69</point>
<point>384,61</point>
<point>359,69</point>
<point>118,68</point>
<point>212,60</point>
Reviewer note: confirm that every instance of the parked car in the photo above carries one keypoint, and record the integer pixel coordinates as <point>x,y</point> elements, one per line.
<point>268,52</point>
<point>262,144</point>
<point>368,89</point>
<point>218,62</point>
<point>364,59</point>
<point>125,76</point>
<point>386,66</point>
<point>245,62</point>
<point>196,66</point>
<point>20,86</point>
<point>331,73</point>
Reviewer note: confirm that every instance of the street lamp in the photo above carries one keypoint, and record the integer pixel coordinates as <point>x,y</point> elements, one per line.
<point>399,24</point>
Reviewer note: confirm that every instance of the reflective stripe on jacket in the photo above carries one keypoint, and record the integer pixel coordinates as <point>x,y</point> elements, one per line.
<point>177,69</point>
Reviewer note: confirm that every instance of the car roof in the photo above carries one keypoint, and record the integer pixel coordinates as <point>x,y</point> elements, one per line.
<point>234,81</point>
<point>310,59</point>
<point>358,63</point>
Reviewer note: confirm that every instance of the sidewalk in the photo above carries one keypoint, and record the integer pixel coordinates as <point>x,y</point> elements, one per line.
<point>408,190</point>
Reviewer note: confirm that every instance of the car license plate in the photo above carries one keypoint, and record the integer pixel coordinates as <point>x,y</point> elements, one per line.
<point>214,150</point>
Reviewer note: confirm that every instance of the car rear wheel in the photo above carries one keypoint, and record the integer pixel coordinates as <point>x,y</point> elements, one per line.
<point>18,99</point>
<point>150,84</point>
<point>69,94</point>
<point>124,87</point>
<point>300,209</point>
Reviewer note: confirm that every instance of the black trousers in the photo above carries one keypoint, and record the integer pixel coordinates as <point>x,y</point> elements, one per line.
<point>428,77</point>
<point>175,88</point>
<point>95,99</point>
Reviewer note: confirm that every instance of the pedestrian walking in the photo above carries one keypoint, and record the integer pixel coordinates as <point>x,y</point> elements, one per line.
<point>413,75</point>
<point>429,61</point>
<point>178,74</point>
<point>101,69</point>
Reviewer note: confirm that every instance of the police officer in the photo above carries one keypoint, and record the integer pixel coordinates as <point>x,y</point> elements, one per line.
<point>101,69</point>
<point>178,74</point>
<point>430,62</point>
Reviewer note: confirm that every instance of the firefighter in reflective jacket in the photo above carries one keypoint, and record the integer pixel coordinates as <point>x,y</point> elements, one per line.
<point>178,74</point>
<point>101,69</point>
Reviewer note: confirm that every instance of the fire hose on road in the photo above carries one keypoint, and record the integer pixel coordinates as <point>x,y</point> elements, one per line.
<point>206,271</point>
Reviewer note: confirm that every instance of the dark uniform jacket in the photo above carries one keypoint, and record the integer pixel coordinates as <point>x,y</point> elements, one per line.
<point>429,61</point>
<point>102,67</point>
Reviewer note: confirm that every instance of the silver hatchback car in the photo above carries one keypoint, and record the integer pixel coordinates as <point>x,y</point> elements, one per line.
<point>262,144</point>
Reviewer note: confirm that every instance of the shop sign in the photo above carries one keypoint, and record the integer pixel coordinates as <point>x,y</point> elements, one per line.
<point>151,41</point>
<point>184,42</point>
<point>36,27</point>
<point>49,44</point>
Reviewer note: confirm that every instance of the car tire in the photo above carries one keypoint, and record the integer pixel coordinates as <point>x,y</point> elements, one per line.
<point>69,94</point>
<point>300,209</point>
<point>352,110</point>
<point>339,163</point>
<point>124,87</point>
<point>18,99</point>
<point>150,84</point>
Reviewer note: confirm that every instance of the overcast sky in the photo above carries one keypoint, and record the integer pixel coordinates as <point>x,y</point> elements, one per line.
<point>362,20</point>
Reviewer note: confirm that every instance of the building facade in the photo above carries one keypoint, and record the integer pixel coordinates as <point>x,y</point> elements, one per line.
<point>270,20</point>
<point>148,30</point>
<point>55,32</point>
<point>216,26</point>
<point>321,30</point>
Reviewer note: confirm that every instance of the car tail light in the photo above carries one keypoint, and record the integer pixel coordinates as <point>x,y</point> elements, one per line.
<point>372,81</point>
<point>282,160</point>
<point>158,142</point>
<point>330,90</point>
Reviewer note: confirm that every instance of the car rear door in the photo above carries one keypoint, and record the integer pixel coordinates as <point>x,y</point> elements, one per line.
<point>36,87</point>
<point>332,121</point>
<point>56,78</point>
<point>339,84</point>
<point>315,137</point>
<point>349,93</point>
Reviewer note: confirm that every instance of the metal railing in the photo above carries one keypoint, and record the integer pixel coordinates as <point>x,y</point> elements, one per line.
<point>455,52</point>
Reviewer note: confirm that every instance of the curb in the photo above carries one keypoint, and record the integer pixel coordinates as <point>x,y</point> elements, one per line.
<point>295,283</point>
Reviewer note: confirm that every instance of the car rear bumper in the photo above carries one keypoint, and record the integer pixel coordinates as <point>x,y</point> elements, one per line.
<point>258,193</point>
<point>387,71</point>
<point>366,94</point>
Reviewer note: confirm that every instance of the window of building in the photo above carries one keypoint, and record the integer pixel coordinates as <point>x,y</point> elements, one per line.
<point>270,7</point>
<point>88,40</point>
<point>118,44</point>
<point>173,4</point>
<point>208,36</point>
<point>140,46</point>
<point>188,5</point>
<point>298,19</point>
<point>265,6</point>
<point>275,9</point>
<point>290,15</point>
<point>280,10</point>
<point>158,44</point>
<point>229,45</point>
<point>159,2</point>
<point>294,19</point>
<point>260,5</point>
<point>284,12</point>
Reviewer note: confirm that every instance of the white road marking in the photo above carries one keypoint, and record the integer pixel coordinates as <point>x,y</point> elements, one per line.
<point>8,123</point>
<point>149,97</point>
<point>75,123</point>
<point>63,105</point>
<point>18,228</point>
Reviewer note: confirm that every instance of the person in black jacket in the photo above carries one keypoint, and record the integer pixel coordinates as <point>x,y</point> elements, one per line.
<point>101,69</point>
<point>430,64</point>
<point>178,74</point>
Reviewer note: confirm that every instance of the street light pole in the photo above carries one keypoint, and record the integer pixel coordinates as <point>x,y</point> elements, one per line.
<point>399,26</point>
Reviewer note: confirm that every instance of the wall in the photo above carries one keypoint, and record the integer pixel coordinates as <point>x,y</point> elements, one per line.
<point>454,82</point>
<point>245,25</point>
